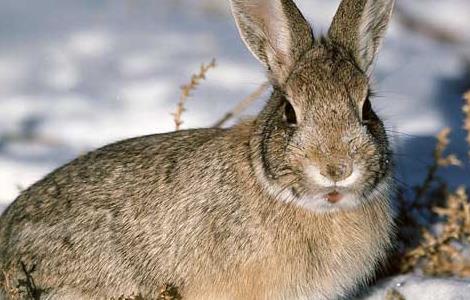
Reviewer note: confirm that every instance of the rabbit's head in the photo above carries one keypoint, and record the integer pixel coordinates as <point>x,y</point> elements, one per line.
<point>318,142</point>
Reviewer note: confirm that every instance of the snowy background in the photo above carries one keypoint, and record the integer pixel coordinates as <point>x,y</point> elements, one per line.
<point>76,75</point>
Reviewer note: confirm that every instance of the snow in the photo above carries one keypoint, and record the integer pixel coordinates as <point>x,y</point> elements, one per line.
<point>416,288</point>
<point>452,15</point>
<point>76,75</point>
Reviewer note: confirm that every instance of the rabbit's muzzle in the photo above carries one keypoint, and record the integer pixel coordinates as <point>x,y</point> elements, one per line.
<point>337,171</point>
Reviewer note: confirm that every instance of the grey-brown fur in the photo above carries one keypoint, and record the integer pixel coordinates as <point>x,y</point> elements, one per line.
<point>223,213</point>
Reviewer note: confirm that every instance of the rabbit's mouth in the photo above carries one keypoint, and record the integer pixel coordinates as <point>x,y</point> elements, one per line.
<point>334,197</point>
<point>328,201</point>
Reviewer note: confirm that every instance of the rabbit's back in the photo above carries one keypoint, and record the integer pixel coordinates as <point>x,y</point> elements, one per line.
<point>105,213</point>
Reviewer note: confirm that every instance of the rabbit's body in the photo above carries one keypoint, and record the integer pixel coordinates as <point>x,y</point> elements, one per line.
<point>138,220</point>
<point>293,204</point>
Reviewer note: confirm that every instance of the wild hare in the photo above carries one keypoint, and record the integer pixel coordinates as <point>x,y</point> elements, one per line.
<point>291,205</point>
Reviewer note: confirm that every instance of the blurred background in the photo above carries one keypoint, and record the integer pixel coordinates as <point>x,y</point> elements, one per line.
<point>76,75</point>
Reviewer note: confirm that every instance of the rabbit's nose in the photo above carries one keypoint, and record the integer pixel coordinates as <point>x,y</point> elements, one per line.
<point>337,171</point>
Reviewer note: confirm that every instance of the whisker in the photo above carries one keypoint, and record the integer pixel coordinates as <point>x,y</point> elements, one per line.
<point>295,147</point>
<point>287,185</point>
<point>402,183</point>
<point>403,134</point>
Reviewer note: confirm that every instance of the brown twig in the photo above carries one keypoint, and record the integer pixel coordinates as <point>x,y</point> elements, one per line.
<point>31,289</point>
<point>13,292</point>
<point>169,292</point>
<point>244,104</point>
<point>440,250</point>
<point>439,161</point>
<point>437,253</point>
<point>166,292</point>
<point>466,110</point>
<point>186,90</point>
<point>393,294</point>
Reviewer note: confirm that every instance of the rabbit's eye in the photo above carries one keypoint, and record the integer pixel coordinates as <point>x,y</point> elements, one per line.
<point>366,112</point>
<point>289,114</point>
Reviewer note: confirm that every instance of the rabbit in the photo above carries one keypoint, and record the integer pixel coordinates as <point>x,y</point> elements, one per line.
<point>294,203</point>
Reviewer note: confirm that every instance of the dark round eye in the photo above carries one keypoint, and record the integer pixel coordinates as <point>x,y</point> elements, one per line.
<point>367,113</point>
<point>289,114</point>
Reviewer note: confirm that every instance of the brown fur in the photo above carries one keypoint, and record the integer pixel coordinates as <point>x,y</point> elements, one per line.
<point>220,213</point>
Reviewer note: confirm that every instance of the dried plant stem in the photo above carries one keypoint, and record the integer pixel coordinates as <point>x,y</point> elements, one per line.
<point>393,294</point>
<point>466,110</point>
<point>13,292</point>
<point>168,292</point>
<point>439,161</point>
<point>441,250</point>
<point>244,104</point>
<point>438,254</point>
<point>186,91</point>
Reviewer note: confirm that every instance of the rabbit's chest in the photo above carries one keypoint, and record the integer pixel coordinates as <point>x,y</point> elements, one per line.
<point>338,261</point>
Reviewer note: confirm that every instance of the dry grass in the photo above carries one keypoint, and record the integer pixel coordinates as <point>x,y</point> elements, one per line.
<point>440,160</point>
<point>23,287</point>
<point>441,244</point>
<point>166,292</point>
<point>13,292</point>
<point>194,83</point>
<point>393,294</point>
<point>186,92</point>
<point>243,105</point>
<point>27,289</point>
<point>440,253</point>
<point>466,110</point>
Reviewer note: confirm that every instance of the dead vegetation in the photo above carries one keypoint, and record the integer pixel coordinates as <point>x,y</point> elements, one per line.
<point>243,105</point>
<point>439,253</point>
<point>23,287</point>
<point>393,294</point>
<point>438,247</point>
<point>186,92</point>
<point>166,292</point>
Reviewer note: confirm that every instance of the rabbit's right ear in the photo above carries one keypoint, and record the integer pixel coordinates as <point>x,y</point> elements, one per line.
<point>359,26</point>
<point>275,32</point>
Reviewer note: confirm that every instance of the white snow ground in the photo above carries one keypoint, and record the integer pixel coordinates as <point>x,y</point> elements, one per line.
<point>416,288</point>
<point>75,75</point>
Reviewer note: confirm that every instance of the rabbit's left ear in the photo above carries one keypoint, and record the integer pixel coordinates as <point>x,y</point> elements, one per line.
<point>359,26</point>
<point>275,32</point>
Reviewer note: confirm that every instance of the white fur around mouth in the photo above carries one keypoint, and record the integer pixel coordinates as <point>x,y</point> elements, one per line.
<point>317,202</point>
<point>314,174</point>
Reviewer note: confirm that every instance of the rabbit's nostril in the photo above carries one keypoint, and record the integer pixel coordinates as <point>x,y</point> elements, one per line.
<point>337,171</point>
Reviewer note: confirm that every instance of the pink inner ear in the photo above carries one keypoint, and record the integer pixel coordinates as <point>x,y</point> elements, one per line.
<point>275,26</point>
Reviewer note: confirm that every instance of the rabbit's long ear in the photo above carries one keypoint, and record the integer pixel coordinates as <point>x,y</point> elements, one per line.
<point>359,26</point>
<point>275,32</point>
